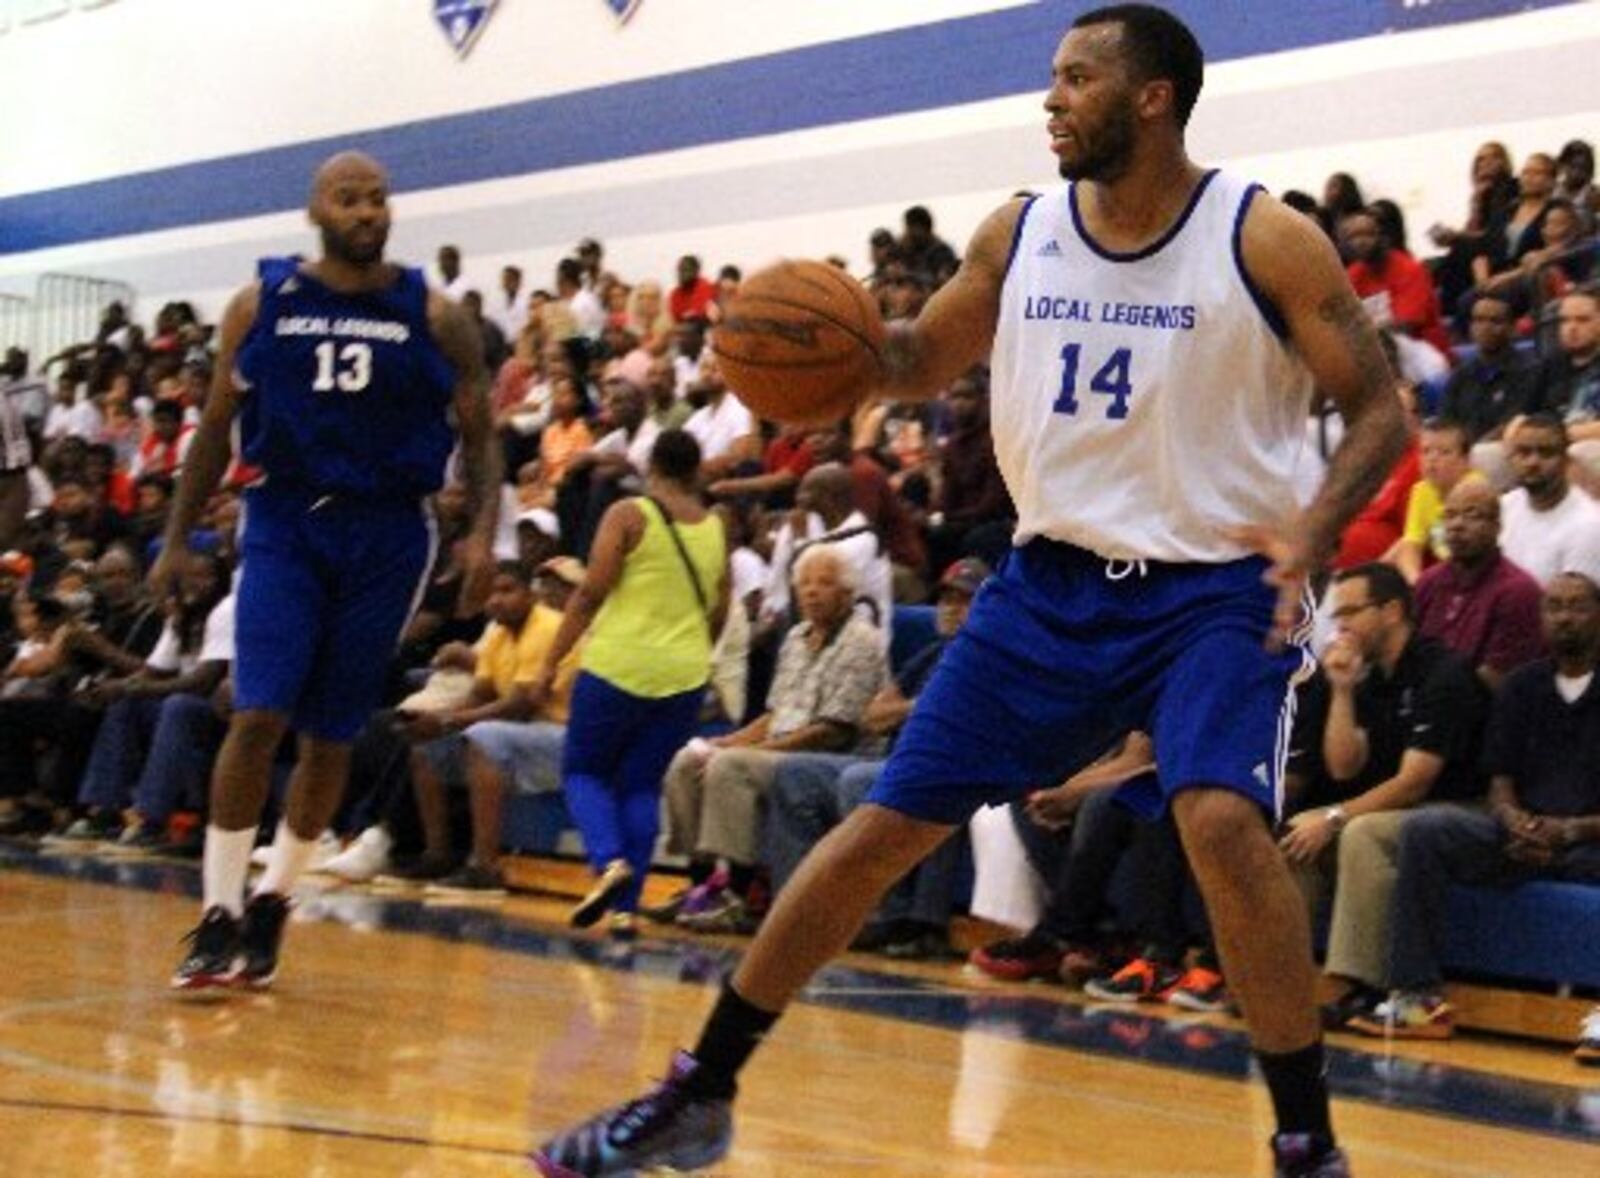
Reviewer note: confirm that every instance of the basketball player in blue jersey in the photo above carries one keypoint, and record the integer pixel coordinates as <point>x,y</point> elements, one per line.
<point>1155,331</point>
<point>348,383</point>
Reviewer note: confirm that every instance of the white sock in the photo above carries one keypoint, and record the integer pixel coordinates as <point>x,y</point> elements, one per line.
<point>377,836</point>
<point>286,863</point>
<point>227,863</point>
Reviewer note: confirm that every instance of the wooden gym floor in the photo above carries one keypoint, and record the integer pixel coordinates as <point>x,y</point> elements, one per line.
<point>410,1039</point>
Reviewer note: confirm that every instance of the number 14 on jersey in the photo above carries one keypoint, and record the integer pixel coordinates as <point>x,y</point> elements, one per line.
<point>1113,379</point>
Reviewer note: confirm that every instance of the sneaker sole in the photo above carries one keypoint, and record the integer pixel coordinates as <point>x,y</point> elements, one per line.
<point>1380,1030</point>
<point>204,987</point>
<point>1185,1001</point>
<point>1001,973</point>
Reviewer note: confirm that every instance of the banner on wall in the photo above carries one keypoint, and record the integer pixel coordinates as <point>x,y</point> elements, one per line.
<point>462,21</point>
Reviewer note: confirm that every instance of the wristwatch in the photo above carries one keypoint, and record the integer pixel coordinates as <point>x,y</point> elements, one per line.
<point>1336,817</point>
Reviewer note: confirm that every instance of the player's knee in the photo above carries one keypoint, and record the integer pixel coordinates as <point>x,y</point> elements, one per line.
<point>1212,820</point>
<point>257,732</point>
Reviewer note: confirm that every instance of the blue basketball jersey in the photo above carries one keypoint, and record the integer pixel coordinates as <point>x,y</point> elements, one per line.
<point>344,394</point>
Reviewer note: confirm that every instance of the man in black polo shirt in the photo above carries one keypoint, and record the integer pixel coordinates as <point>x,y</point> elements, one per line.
<point>1543,820</point>
<point>1392,720</point>
<point>1497,383</point>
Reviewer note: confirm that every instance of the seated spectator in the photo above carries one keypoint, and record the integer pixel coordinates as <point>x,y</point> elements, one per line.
<point>1568,383</point>
<point>191,658</point>
<point>667,409</point>
<point>1543,820</point>
<point>784,462</point>
<point>1548,526</point>
<point>1492,388</point>
<point>1519,228</point>
<point>82,527</point>
<point>825,515</point>
<point>722,425</point>
<point>812,795</point>
<point>649,320</point>
<point>165,444</point>
<point>1494,191</point>
<point>1392,719</point>
<point>509,662</point>
<point>1575,181</point>
<point>1444,464</point>
<point>113,641</point>
<point>564,437</point>
<point>1396,288</point>
<point>1477,602</point>
<point>972,510</point>
<point>1566,260</point>
<point>611,468</point>
<point>691,299</point>
<point>831,666</point>
<point>875,499</point>
<point>924,252</point>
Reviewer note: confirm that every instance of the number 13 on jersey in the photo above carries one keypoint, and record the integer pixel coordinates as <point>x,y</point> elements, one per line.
<point>1114,379</point>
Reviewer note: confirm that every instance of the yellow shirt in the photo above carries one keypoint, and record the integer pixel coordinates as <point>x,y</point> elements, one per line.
<point>651,637</point>
<point>506,660</point>
<point>1425,516</point>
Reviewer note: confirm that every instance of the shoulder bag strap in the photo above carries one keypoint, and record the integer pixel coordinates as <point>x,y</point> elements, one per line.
<point>688,565</point>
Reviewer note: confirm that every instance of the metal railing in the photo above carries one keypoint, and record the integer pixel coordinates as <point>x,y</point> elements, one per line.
<point>16,322</point>
<point>67,310</point>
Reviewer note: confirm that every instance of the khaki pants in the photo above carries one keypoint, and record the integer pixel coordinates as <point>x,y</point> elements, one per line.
<point>714,804</point>
<point>1359,870</point>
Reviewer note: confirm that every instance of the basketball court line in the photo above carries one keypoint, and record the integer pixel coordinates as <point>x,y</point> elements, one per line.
<point>1546,1109</point>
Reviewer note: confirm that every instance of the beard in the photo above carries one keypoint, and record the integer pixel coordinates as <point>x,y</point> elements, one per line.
<point>1107,153</point>
<point>357,252</point>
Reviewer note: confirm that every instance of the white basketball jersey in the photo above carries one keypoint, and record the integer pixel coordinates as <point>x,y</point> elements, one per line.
<point>1144,403</point>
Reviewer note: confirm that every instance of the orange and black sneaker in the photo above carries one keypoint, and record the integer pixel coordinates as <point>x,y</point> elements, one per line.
<point>1199,989</point>
<point>1141,980</point>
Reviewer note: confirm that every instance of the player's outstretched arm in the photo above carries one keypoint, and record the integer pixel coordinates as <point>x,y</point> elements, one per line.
<point>459,339</point>
<point>956,328</point>
<point>212,448</point>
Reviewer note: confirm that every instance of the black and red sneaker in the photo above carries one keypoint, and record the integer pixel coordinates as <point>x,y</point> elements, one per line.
<point>260,934</point>
<point>212,964</point>
<point>1020,959</point>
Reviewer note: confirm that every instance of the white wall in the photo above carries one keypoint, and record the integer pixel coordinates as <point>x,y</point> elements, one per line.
<point>1403,112</point>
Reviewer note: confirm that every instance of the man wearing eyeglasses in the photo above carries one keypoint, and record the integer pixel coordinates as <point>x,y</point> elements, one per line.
<point>1392,719</point>
<point>1478,603</point>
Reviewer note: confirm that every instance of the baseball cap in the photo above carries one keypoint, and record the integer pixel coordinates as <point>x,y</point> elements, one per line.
<point>964,576</point>
<point>542,518</point>
<point>565,568</point>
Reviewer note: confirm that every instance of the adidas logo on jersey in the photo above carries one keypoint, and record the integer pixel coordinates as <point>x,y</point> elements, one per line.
<point>1050,249</point>
<point>290,285</point>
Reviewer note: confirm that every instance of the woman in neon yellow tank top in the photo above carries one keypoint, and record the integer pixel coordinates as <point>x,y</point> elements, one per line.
<point>652,603</point>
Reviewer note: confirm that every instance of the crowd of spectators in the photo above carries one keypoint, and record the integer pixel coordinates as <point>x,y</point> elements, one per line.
<point>1458,633</point>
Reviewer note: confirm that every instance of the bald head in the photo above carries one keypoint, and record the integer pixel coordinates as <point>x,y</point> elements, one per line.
<point>1472,523</point>
<point>350,206</point>
<point>826,490</point>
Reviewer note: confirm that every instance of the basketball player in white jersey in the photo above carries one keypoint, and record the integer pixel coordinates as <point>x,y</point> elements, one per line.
<point>1156,330</point>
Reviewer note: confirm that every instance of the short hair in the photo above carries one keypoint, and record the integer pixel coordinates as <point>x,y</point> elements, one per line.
<point>1449,425</point>
<point>570,270</point>
<point>811,553</point>
<point>520,569</point>
<point>919,216</point>
<point>731,271</point>
<point>1159,45</point>
<point>1385,583</point>
<point>1545,420</point>
<point>166,409</point>
<point>1574,574</point>
<point>676,455</point>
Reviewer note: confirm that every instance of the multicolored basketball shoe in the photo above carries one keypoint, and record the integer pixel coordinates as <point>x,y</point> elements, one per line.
<point>212,964</point>
<point>260,937</point>
<point>670,1128</point>
<point>1307,1155</point>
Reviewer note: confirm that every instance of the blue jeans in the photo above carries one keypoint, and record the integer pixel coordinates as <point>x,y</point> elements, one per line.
<point>811,794</point>
<point>119,752</point>
<point>187,737</point>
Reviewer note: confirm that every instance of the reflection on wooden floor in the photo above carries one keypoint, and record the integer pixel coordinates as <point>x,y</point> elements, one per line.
<point>449,1052</point>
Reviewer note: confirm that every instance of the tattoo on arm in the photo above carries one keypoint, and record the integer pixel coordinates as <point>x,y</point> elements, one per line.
<point>1375,434</point>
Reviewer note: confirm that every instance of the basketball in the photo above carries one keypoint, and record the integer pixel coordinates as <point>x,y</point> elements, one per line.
<point>801,343</point>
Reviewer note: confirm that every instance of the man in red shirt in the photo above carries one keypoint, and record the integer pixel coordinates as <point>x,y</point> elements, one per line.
<point>1395,286</point>
<point>693,296</point>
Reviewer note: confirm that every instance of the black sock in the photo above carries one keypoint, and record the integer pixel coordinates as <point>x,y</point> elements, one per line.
<point>1299,1085</point>
<point>733,1032</point>
<point>701,870</point>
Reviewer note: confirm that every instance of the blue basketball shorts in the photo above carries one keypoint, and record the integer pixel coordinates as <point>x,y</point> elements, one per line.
<point>326,587</point>
<point>1064,653</point>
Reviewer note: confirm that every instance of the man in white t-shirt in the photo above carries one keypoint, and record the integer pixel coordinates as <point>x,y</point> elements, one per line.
<point>825,514</point>
<point>508,308</point>
<point>723,426</point>
<point>449,281</point>
<point>1547,526</point>
<point>587,313</point>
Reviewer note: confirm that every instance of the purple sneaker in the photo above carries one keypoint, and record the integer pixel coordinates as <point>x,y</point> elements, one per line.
<point>1307,1155</point>
<point>667,1128</point>
<point>705,897</point>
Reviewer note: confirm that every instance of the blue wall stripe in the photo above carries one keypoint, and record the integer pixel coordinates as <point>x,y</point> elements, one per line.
<point>925,67</point>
